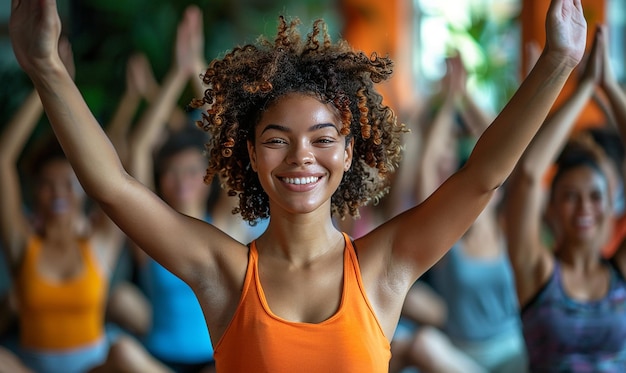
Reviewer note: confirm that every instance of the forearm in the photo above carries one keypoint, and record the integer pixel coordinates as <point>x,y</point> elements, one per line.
<point>152,124</point>
<point>555,132</point>
<point>617,103</point>
<point>475,117</point>
<point>504,141</point>
<point>20,127</point>
<point>121,121</point>
<point>434,145</point>
<point>84,142</point>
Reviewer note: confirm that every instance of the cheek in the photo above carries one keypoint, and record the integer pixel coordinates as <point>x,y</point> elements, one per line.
<point>43,195</point>
<point>266,160</point>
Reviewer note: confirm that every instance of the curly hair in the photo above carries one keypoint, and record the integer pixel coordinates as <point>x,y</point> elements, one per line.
<point>249,78</point>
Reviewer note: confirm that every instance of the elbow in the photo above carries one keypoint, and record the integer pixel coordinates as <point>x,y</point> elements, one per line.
<point>106,191</point>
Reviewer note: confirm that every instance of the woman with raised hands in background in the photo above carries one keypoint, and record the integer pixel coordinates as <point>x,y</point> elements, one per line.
<point>60,259</point>
<point>573,301</point>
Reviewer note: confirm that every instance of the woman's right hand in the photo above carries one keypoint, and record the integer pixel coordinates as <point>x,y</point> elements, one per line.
<point>35,28</point>
<point>566,32</point>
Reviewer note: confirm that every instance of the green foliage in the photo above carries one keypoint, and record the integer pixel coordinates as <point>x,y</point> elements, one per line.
<point>104,33</point>
<point>493,45</point>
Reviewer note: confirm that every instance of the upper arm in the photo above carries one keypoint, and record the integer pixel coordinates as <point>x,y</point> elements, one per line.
<point>530,258</point>
<point>412,242</point>
<point>184,245</point>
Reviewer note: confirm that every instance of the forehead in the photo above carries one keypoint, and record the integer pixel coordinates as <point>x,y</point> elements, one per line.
<point>581,177</point>
<point>55,166</point>
<point>185,155</point>
<point>299,109</point>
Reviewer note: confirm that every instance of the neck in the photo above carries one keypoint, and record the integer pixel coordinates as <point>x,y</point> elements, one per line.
<point>300,238</point>
<point>580,257</point>
<point>60,231</point>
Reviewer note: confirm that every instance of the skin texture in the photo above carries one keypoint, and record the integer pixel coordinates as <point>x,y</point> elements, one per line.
<point>299,254</point>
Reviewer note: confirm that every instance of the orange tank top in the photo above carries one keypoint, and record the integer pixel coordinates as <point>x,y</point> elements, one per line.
<point>351,340</point>
<point>60,315</point>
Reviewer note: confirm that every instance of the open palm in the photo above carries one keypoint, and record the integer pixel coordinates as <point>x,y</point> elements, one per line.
<point>35,28</point>
<point>566,31</point>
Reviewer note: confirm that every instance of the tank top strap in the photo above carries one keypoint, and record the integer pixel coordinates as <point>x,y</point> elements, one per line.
<point>33,248</point>
<point>90,259</point>
<point>28,265</point>
<point>253,263</point>
<point>353,280</point>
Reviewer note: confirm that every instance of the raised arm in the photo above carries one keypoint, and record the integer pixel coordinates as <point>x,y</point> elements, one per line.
<point>138,74</point>
<point>611,88</point>
<point>14,225</point>
<point>422,235</point>
<point>475,118</point>
<point>437,156</point>
<point>531,260</point>
<point>150,129</point>
<point>616,105</point>
<point>185,246</point>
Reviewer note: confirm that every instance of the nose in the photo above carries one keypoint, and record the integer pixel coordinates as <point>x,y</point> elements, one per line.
<point>300,154</point>
<point>58,190</point>
<point>585,204</point>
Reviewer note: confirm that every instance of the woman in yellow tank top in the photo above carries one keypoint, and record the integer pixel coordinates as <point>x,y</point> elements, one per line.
<point>299,133</point>
<point>59,259</point>
<point>59,262</point>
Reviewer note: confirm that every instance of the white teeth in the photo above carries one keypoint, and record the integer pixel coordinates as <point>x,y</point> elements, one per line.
<point>300,180</point>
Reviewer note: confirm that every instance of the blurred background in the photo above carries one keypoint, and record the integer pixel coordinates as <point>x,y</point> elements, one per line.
<point>417,34</point>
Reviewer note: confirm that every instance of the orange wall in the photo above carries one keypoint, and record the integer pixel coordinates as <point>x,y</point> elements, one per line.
<point>384,27</point>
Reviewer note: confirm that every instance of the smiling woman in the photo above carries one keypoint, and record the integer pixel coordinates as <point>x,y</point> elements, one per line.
<point>298,132</point>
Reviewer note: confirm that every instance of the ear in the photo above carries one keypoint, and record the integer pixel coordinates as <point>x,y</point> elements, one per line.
<point>252,155</point>
<point>347,161</point>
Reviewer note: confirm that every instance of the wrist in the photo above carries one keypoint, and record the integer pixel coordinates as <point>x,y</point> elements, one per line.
<point>44,70</point>
<point>557,61</point>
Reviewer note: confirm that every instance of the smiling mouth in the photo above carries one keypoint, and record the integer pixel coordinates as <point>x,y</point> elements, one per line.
<point>300,180</point>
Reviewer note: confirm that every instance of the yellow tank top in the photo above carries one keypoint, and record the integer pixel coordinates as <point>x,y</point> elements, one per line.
<point>259,341</point>
<point>60,315</point>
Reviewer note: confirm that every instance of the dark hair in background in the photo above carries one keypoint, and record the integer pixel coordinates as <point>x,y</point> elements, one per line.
<point>578,152</point>
<point>45,151</point>
<point>611,142</point>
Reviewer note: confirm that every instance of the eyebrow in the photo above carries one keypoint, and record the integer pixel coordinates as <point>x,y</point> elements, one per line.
<point>314,127</point>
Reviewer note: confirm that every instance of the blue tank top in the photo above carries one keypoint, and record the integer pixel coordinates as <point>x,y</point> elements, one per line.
<point>480,295</point>
<point>178,333</point>
<point>566,335</point>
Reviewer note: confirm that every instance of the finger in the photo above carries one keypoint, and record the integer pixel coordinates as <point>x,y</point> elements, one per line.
<point>15,4</point>
<point>556,5</point>
<point>578,4</point>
